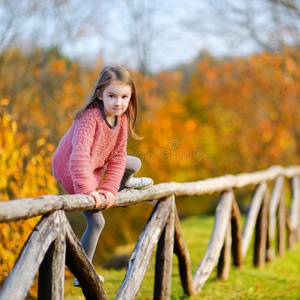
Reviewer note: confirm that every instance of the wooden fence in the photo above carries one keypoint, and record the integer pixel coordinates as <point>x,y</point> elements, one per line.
<point>52,244</point>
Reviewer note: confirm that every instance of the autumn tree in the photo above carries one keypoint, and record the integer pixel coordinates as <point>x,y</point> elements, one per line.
<point>26,175</point>
<point>259,26</point>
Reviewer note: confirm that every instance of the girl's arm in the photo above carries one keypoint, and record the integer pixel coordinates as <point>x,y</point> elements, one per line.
<point>80,169</point>
<point>114,172</point>
<point>116,165</point>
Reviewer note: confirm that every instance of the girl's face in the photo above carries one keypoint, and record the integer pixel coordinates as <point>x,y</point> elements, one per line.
<point>115,99</point>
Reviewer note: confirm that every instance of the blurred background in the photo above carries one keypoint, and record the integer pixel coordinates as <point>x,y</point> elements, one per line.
<point>218,85</point>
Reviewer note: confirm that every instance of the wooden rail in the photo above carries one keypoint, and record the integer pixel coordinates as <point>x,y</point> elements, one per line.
<point>53,243</point>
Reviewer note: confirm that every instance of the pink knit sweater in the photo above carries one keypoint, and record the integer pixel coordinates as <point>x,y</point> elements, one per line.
<point>79,160</point>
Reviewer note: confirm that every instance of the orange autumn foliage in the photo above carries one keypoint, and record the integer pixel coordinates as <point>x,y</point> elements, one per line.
<point>241,113</point>
<point>203,119</point>
<point>26,175</point>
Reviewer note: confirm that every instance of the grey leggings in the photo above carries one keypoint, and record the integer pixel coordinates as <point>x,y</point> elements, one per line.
<point>94,218</point>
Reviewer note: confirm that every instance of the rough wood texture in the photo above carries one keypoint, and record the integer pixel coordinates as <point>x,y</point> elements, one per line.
<point>281,213</point>
<point>22,275</point>
<point>295,210</point>
<point>184,262</point>
<point>47,242</point>
<point>210,259</point>
<point>224,260</point>
<point>26,208</point>
<point>82,268</point>
<point>140,257</point>
<point>16,210</point>
<point>274,203</point>
<point>236,234</point>
<point>252,216</point>
<point>164,259</point>
<point>261,232</point>
<point>52,269</point>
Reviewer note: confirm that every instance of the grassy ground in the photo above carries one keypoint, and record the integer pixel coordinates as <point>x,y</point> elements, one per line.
<point>277,280</point>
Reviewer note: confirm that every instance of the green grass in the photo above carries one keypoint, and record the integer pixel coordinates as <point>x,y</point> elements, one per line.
<point>277,280</point>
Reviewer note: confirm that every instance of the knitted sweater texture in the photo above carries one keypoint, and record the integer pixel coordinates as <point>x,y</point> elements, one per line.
<point>90,144</point>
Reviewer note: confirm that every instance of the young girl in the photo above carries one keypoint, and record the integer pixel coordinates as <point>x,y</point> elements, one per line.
<point>96,144</point>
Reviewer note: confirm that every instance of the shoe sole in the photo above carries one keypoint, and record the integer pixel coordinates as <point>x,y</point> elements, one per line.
<point>145,187</point>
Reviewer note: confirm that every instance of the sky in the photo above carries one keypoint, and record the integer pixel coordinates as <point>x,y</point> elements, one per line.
<point>162,30</point>
<point>177,32</point>
<point>118,31</point>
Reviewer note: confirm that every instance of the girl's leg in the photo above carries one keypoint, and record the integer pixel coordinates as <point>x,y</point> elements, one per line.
<point>95,223</point>
<point>133,164</point>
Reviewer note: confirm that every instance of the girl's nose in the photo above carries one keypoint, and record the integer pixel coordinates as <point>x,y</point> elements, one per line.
<point>118,101</point>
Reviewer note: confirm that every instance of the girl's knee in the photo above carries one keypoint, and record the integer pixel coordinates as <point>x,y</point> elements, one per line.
<point>94,219</point>
<point>133,164</point>
<point>99,222</point>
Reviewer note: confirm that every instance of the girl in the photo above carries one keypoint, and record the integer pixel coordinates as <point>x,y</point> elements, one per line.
<point>96,143</point>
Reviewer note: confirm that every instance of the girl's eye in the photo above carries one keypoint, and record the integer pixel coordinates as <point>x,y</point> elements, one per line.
<point>111,96</point>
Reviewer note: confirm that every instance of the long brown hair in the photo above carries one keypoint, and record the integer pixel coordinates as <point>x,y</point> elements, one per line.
<point>118,75</point>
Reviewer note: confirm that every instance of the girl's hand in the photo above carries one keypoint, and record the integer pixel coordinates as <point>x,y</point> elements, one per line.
<point>109,198</point>
<point>97,198</point>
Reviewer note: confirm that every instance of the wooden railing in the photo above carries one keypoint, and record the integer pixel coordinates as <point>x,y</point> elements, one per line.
<point>52,244</point>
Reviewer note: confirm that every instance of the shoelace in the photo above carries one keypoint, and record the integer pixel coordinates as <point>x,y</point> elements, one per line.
<point>135,181</point>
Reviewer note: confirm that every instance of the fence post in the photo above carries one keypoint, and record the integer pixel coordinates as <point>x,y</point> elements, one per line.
<point>140,257</point>
<point>52,269</point>
<point>236,234</point>
<point>281,213</point>
<point>224,260</point>
<point>164,258</point>
<point>273,213</point>
<point>261,232</point>
<point>52,242</point>
<point>82,268</point>
<point>210,259</point>
<point>184,262</point>
<point>252,216</point>
<point>23,273</point>
<point>294,211</point>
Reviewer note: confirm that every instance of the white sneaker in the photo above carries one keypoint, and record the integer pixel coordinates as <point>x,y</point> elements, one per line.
<point>77,284</point>
<point>140,183</point>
